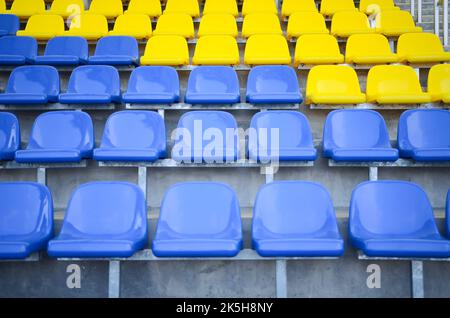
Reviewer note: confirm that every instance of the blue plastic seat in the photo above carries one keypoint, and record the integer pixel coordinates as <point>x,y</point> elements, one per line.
<point>92,84</point>
<point>424,135</point>
<point>213,85</point>
<point>206,136</point>
<point>60,136</point>
<point>295,218</point>
<point>65,50</point>
<point>357,135</point>
<point>26,219</point>
<point>31,85</point>
<point>199,219</point>
<point>133,136</point>
<point>17,50</point>
<point>280,135</point>
<point>394,219</point>
<point>9,136</point>
<point>116,50</point>
<point>9,24</point>
<point>103,219</point>
<point>153,85</point>
<point>273,84</point>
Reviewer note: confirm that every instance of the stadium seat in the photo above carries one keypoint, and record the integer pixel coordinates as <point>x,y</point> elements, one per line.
<point>218,24</point>
<point>175,24</point>
<point>213,85</point>
<point>103,219</point>
<point>261,23</point>
<point>108,8</point>
<point>346,23</point>
<point>395,23</point>
<point>330,7</point>
<point>92,84</point>
<point>357,135</point>
<point>273,84</point>
<point>267,49</point>
<point>153,85</point>
<point>59,136</point>
<point>215,123</point>
<point>43,26</point>
<point>133,136</point>
<point>439,83</point>
<point>424,135</point>
<point>89,26</point>
<point>26,219</point>
<point>199,219</point>
<point>421,48</point>
<point>295,219</point>
<point>150,8</point>
<point>333,84</point>
<point>138,26</point>
<point>116,50</point>
<point>292,6</point>
<point>166,50</point>
<point>259,6</point>
<point>216,50</point>
<point>301,23</point>
<point>394,219</point>
<point>9,24</point>
<point>280,135</point>
<point>31,85</point>
<point>394,84</point>
<point>66,8</point>
<point>317,49</point>
<point>26,8</point>
<point>221,7</point>
<point>376,6</point>
<point>369,49</point>
<point>189,7</point>
<point>64,50</point>
<point>9,136</point>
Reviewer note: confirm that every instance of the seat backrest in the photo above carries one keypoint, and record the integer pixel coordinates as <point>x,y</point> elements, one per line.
<point>308,20</point>
<point>221,6</point>
<point>68,45</point>
<point>213,80</point>
<point>9,134</point>
<point>105,209</point>
<point>332,79</point>
<point>439,80</point>
<point>355,128</point>
<point>392,80</point>
<point>9,23</point>
<point>132,22</point>
<point>419,43</point>
<point>151,8</point>
<point>393,19</point>
<point>89,22</point>
<point>19,45</point>
<point>34,80</point>
<point>253,6</point>
<point>367,45</point>
<point>375,5</point>
<point>175,24</point>
<point>161,45</point>
<point>424,128</point>
<point>45,23</point>
<point>67,7</point>
<point>189,7</point>
<point>62,130</point>
<point>291,6</point>
<point>218,24</point>
<point>154,79</point>
<point>27,7</point>
<point>95,79</point>
<point>261,23</point>
<point>317,45</point>
<point>117,45</point>
<point>268,79</point>
<point>330,7</point>
<point>27,208</point>
<point>108,8</point>
<point>349,20</point>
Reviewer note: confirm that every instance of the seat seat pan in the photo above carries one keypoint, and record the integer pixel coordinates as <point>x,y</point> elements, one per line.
<point>271,98</point>
<point>399,31</point>
<point>428,58</point>
<point>139,35</point>
<point>367,154</point>
<point>164,61</point>
<point>338,99</point>
<point>347,33</point>
<point>74,98</point>
<point>375,59</point>
<point>86,35</point>
<point>58,60</point>
<point>48,155</point>
<point>146,98</point>
<point>196,247</point>
<point>126,154</point>
<point>13,59</point>
<point>14,250</point>
<point>285,154</point>
<point>112,60</point>
<point>268,60</point>
<point>403,99</point>
<point>299,247</point>
<point>331,59</point>
<point>23,99</point>
<point>213,98</point>
<point>92,248</point>
<point>431,154</point>
<point>37,35</point>
<point>406,247</point>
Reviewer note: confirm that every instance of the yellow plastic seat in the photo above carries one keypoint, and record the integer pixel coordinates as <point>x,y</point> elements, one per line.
<point>291,6</point>
<point>259,6</point>
<point>152,8</point>
<point>261,23</point>
<point>166,50</point>
<point>109,8</point>
<point>26,8</point>
<point>421,48</point>
<point>221,6</point>
<point>66,8</point>
<point>369,49</point>
<point>333,84</point>
<point>218,24</point>
<point>330,7</point>
<point>394,84</point>
<point>375,6</point>
<point>43,27</point>
<point>216,50</point>
<point>395,23</point>
<point>175,24</point>
<point>439,83</point>
<point>301,23</point>
<point>2,6</point>
<point>88,25</point>
<point>346,23</point>
<point>189,7</point>
<point>317,49</point>
<point>266,49</point>
<point>138,26</point>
